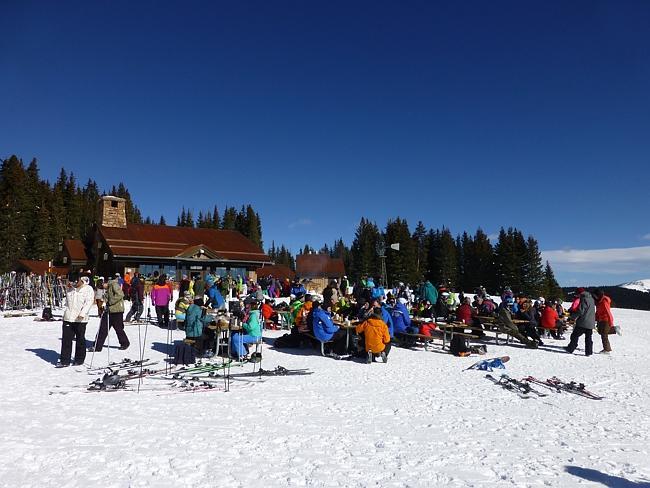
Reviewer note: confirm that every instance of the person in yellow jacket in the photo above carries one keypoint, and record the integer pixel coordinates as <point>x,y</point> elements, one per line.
<point>376,336</point>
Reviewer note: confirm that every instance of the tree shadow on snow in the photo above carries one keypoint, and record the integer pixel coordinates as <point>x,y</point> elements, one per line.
<point>605,479</point>
<point>47,355</point>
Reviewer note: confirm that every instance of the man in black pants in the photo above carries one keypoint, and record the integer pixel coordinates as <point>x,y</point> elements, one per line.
<point>112,317</point>
<point>79,300</point>
<point>585,322</point>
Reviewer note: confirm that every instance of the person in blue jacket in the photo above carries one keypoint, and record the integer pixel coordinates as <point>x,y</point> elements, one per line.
<point>215,299</point>
<point>325,330</point>
<point>195,329</point>
<point>385,315</point>
<point>297,289</point>
<point>401,317</point>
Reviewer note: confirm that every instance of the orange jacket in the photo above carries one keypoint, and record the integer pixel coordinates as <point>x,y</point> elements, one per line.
<point>301,318</point>
<point>603,310</point>
<point>376,334</point>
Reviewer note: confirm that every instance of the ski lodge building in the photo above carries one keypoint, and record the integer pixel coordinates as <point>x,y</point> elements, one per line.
<point>118,247</point>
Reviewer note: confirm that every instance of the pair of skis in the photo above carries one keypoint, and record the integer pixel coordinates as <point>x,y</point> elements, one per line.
<point>524,389</point>
<point>558,385</point>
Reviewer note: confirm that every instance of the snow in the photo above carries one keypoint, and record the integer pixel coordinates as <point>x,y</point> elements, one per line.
<point>419,420</point>
<point>639,285</point>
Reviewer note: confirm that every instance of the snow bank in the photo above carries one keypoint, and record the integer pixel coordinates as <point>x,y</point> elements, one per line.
<point>420,420</point>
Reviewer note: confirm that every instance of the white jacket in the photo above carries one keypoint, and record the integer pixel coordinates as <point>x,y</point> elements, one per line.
<point>78,303</point>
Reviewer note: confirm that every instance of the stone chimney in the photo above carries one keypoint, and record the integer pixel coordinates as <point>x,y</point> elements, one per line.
<point>112,212</point>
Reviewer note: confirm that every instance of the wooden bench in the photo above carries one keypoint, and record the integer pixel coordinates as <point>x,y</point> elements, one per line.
<point>419,338</point>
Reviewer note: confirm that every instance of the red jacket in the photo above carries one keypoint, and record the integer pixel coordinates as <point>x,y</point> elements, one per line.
<point>549,317</point>
<point>603,310</point>
<point>267,311</point>
<point>464,313</point>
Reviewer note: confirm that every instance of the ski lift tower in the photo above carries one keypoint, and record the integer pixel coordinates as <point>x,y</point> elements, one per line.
<point>381,252</point>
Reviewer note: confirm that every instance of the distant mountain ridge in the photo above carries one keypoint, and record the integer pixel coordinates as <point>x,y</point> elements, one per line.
<point>626,295</point>
<point>639,285</point>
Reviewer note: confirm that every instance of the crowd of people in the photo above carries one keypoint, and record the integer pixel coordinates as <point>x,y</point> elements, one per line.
<point>383,317</point>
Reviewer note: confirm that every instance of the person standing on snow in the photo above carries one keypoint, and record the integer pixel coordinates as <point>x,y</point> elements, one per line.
<point>585,322</point>
<point>79,300</point>
<point>114,318</point>
<point>604,319</point>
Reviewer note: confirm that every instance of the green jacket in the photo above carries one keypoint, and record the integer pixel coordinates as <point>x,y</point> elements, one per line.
<point>252,327</point>
<point>115,297</point>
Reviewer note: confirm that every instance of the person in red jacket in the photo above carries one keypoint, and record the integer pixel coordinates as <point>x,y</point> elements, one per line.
<point>269,315</point>
<point>551,321</point>
<point>604,319</point>
<point>464,312</point>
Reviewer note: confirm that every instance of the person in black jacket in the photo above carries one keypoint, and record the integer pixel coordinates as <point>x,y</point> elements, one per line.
<point>529,329</point>
<point>136,295</point>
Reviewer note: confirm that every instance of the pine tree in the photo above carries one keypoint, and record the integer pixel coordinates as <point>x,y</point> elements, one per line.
<point>533,270</point>
<point>252,224</point>
<point>162,221</point>
<point>216,223</point>
<point>148,221</point>
<point>552,289</point>
<point>189,222</point>
<point>401,265</point>
<point>421,247</point>
<point>182,219</point>
<point>365,261</point>
<point>229,219</point>
<point>479,263</point>
<point>14,215</point>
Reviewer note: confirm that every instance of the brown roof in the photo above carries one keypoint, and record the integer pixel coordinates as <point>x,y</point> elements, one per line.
<point>319,265</point>
<point>277,271</point>
<point>39,267</point>
<point>167,242</point>
<point>76,249</point>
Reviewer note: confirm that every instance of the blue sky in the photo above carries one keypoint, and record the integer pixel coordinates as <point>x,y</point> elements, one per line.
<point>463,114</point>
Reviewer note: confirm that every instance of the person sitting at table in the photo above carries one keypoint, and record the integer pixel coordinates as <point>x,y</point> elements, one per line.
<point>269,315</point>
<point>376,336</point>
<point>196,330</point>
<point>252,334</point>
<point>385,313</point>
<point>505,324</point>
<point>400,315</point>
<point>529,328</point>
<point>301,316</point>
<point>363,310</point>
<point>551,322</point>
<point>325,330</point>
<point>180,309</point>
<point>464,312</point>
<point>427,310</point>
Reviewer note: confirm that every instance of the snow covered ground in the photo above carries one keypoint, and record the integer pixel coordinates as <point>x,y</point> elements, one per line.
<point>419,420</point>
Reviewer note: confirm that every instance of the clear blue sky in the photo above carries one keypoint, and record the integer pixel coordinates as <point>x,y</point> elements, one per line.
<point>464,114</point>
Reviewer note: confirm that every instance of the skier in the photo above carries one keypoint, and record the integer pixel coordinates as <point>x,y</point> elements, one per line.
<point>114,318</point>
<point>585,321</point>
<point>136,292</point>
<point>75,317</point>
<point>160,297</point>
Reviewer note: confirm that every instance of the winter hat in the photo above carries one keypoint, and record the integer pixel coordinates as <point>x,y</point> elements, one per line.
<point>85,280</point>
<point>580,290</point>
